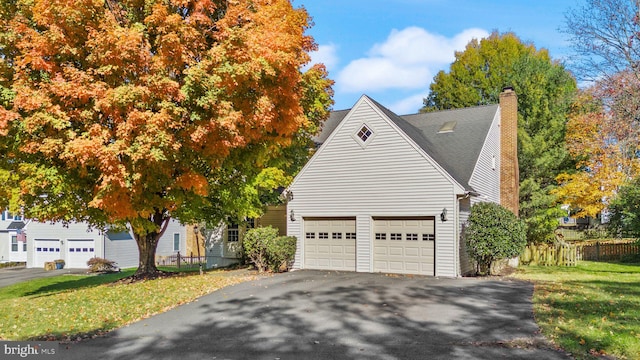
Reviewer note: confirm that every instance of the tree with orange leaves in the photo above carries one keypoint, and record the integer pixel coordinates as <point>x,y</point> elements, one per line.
<point>133,112</point>
<point>603,136</point>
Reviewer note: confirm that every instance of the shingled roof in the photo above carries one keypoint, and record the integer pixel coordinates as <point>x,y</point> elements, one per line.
<point>456,151</point>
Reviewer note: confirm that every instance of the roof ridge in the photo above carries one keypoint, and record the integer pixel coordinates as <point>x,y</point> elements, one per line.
<point>450,110</point>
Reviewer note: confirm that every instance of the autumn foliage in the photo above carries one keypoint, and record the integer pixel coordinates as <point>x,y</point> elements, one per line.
<point>124,112</point>
<point>603,136</point>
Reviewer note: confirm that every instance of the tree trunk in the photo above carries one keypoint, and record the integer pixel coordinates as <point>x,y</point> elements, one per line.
<point>147,245</point>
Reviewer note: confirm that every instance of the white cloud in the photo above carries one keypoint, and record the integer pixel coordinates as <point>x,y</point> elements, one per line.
<point>410,105</point>
<point>378,73</point>
<point>408,59</point>
<point>326,54</point>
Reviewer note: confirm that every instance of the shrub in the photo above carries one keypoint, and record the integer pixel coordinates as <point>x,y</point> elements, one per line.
<point>268,251</point>
<point>100,265</point>
<point>493,233</point>
<point>281,252</point>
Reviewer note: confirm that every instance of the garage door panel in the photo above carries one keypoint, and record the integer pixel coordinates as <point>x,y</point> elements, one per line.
<point>46,250</point>
<point>412,252</point>
<point>330,244</point>
<point>404,246</point>
<point>79,252</point>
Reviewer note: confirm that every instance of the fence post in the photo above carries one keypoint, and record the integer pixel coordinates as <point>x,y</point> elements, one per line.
<point>597,250</point>
<point>178,260</point>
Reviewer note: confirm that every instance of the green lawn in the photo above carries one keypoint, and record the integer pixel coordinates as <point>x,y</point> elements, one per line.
<point>590,309</point>
<point>70,306</point>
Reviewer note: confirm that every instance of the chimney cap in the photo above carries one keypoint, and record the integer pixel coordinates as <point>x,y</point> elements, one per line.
<point>507,89</point>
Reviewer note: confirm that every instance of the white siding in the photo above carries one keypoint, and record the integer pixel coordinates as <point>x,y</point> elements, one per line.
<point>364,246</point>
<point>5,247</point>
<point>465,265</point>
<point>123,250</point>
<point>295,228</point>
<point>38,230</point>
<point>390,176</point>
<point>486,177</point>
<point>165,244</point>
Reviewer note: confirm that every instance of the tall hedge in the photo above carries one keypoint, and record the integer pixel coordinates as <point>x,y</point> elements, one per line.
<point>268,251</point>
<point>493,233</point>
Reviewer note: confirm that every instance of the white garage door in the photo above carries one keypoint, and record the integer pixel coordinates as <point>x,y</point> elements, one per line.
<point>46,250</point>
<point>404,246</point>
<point>330,244</point>
<point>79,252</point>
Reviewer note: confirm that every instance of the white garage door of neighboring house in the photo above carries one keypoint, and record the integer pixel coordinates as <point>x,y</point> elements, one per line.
<point>79,252</point>
<point>330,244</point>
<point>404,246</point>
<point>46,250</point>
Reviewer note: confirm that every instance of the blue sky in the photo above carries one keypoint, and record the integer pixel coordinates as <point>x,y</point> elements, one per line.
<point>391,49</point>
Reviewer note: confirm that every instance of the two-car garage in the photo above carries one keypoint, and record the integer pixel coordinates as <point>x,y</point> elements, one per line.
<point>75,252</point>
<point>400,245</point>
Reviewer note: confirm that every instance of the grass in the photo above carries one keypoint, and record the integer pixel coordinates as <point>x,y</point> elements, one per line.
<point>589,310</point>
<point>69,307</point>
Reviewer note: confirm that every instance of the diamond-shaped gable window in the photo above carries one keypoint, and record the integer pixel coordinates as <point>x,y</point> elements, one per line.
<point>365,133</point>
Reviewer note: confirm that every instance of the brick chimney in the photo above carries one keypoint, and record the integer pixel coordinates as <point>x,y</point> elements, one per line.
<point>509,173</point>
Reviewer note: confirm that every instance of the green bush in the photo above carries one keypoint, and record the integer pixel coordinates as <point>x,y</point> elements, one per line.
<point>267,251</point>
<point>493,233</point>
<point>280,253</point>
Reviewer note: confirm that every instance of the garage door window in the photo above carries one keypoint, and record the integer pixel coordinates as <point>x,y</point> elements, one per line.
<point>310,235</point>
<point>428,237</point>
<point>381,236</point>
<point>412,237</point>
<point>350,236</point>
<point>336,235</point>
<point>323,235</point>
<point>396,236</point>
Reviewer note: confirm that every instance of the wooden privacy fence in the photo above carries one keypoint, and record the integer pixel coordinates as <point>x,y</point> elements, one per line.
<point>606,251</point>
<point>550,255</point>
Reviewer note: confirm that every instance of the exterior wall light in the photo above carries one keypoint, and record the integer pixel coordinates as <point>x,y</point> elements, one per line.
<point>443,215</point>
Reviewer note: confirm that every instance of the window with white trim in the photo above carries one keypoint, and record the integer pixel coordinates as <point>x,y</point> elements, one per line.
<point>364,133</point>
<point>176,242</point>
<point>14,243</point>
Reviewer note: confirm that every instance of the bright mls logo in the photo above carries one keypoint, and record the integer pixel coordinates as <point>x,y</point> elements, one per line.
<point>29,350</point>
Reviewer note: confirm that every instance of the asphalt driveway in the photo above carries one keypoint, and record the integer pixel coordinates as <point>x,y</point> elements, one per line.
<point>14,275</point>
<point>337,315</point>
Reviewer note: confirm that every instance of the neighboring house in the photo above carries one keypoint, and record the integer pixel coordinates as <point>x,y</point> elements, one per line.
<point>13,243</point>
<point>389,193</point>
<point>225,244</point>
<point>76,243</point>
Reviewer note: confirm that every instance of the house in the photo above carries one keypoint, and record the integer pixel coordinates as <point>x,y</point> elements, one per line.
<point>77,242</point>
<point>389,193</point>
<point>13,243</point>
<point>224,246</point>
